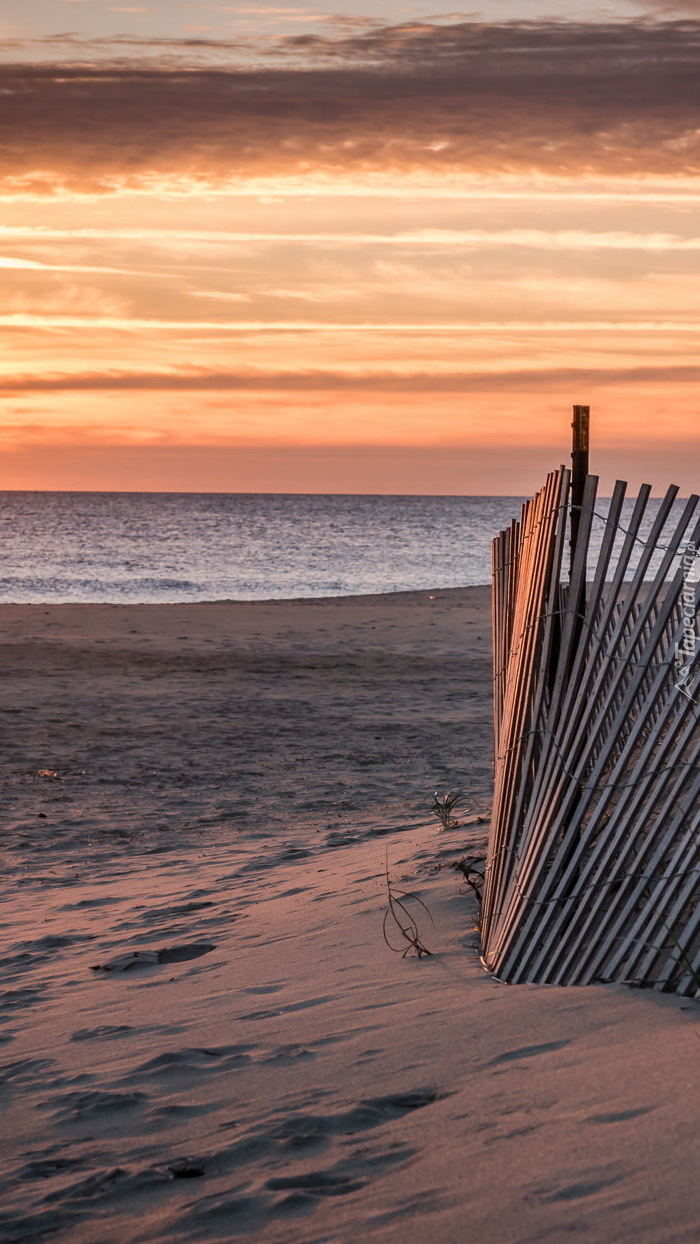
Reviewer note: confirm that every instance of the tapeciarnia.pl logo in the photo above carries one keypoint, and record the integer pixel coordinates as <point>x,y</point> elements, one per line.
<point>686,650</point>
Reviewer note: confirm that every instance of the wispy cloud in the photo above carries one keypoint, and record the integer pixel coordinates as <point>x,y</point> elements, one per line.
<point>115,323</point>
<point>450,239</point>
<point>18,263</point>
<point>203,380</point>
<point>219,295</point>
<point>470,98</point>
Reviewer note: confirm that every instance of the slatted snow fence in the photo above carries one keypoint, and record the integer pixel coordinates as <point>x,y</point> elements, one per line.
<point>593,870</point>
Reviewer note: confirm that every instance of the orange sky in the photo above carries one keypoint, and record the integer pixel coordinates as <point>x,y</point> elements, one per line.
<point>384,261</point>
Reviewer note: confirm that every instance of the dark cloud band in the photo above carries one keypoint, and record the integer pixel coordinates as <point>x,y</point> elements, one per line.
<point>201,380</point>
<point>559,98</point>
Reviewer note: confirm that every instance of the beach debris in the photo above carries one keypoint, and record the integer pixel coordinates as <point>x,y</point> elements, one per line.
<point>403,922</point>
<point>183,1169</point>
<point>148,958</point>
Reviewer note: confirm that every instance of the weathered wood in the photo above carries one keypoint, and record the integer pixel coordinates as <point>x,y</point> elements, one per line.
<point>593,868</point>
<point>554,876</point>
<point>579,472</point>
<point>526,625</point>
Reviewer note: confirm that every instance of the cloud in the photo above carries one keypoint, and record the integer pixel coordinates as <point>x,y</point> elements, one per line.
<point>430,238</point>
<point>91,318</point>
<point>88,316</point>
<point>557,98</point>
<point>12,262</point>
<point>203,380</point>
<point>219,295</point>
<point>668,8</point>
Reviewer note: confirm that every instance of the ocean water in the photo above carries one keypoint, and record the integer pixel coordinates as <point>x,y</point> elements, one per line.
<point>130,547</point>
<point>160,547</point>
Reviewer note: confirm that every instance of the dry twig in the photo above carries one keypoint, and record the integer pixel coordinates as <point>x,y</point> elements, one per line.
<point>403,920</point>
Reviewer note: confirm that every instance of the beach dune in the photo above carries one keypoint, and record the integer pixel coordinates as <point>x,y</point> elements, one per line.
<point>204,1035</point>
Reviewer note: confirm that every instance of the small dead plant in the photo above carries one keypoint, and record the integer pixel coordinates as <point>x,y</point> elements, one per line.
<point>443,808</point>
<point>400,923</point>
<point>472,874</point>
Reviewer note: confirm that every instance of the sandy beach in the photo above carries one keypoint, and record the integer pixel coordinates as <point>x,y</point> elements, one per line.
<point>204,1035</point>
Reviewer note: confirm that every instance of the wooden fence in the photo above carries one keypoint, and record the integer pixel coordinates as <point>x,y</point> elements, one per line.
<point>593,870</point>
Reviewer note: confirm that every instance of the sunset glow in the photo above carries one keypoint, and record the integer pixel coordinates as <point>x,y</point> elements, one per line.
<point>299,251</point>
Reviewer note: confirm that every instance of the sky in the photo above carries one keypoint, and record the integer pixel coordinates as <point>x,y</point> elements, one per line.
<point>349,247</point>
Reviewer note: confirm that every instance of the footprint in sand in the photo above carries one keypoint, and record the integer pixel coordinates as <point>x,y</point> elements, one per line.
<point>527,1051</point>
<point>72,1107</point>
<point>292,1139</point>
<point>102,1032</point>
<point>150,958</point>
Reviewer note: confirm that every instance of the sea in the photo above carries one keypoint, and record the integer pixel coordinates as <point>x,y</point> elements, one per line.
<point>121,547</point>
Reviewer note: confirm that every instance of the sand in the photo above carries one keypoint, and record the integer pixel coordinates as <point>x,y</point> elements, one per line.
<point>204,1035</point>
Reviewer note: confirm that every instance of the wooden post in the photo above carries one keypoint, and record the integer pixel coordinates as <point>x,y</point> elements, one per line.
<point>579,470</point>
<point>579,473</point>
